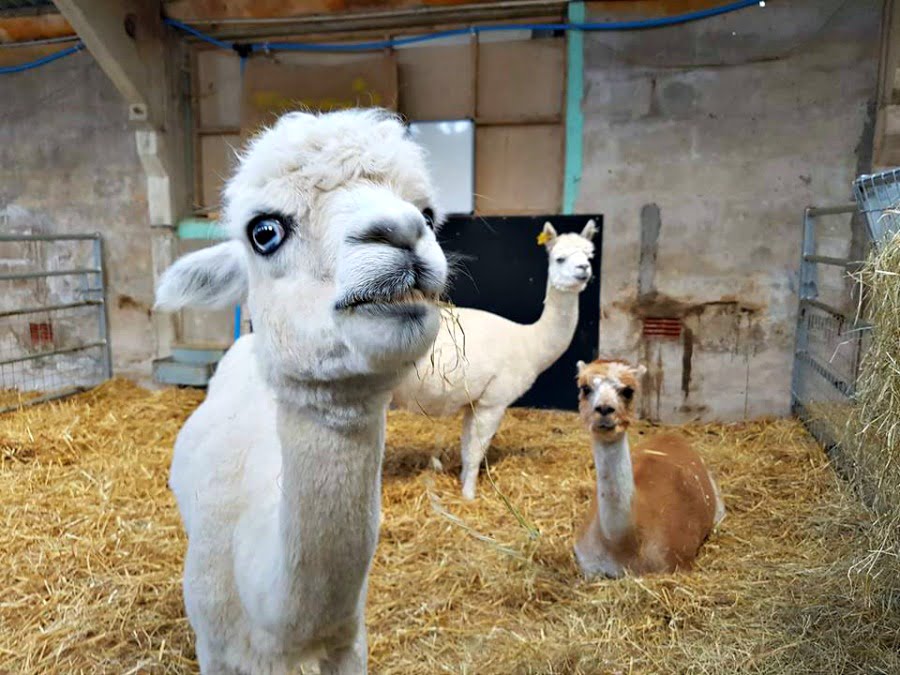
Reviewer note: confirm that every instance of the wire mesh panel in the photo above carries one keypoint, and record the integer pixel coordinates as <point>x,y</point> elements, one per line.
<point>878,196</point>
<point>53,323</point>
<point>831,339</point>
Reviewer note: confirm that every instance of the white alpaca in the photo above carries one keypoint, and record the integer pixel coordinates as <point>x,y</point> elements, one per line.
<point>278,473</point>
<point>481,363</point>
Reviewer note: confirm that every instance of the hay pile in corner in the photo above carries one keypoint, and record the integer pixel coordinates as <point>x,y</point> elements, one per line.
<point>870,437</point>
<point>91,554</point>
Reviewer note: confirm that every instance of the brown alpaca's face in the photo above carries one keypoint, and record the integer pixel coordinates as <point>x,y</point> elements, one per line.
<point>606,397</point>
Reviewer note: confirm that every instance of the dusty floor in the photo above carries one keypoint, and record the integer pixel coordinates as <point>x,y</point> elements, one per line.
<point>91,553</point>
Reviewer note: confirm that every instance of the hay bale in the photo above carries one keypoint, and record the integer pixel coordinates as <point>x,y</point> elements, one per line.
<point>92,547</point>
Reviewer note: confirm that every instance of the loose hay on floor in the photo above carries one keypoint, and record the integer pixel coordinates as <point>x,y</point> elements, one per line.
<point>92,548</point>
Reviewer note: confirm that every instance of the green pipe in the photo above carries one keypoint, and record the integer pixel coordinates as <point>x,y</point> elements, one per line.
<point>200,228</point>
<point>574,115</point>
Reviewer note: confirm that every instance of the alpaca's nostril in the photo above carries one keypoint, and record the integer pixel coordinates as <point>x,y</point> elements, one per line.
<point>605,409</point>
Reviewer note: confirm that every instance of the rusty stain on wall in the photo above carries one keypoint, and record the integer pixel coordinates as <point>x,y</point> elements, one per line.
<point>724,325</point>
<point>687,337</point>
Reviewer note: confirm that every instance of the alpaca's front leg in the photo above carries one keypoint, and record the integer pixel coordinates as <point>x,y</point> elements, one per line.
<point>479,426</point>
<point>350,660</point>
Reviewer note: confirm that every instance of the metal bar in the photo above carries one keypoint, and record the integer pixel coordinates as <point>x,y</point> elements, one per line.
<point>49,237</point>
<point>218,131</point>
<point>828,309</point>
<point>831,210</point>
<point>55,352</point>
<point>38,43</point>
<point>44,399</point>
<point>392,20</point>
<point>48,308</point>
<point>49,273</point>
<point>574,151</point>
<point>808,273</point>
<point>831,377</point>
<point>828,260</point>
<point>103,313</point>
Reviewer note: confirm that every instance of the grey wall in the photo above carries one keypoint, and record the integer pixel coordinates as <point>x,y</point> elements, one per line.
<point>708,139</point>
<point>68,163</point>
<point>729,127</point>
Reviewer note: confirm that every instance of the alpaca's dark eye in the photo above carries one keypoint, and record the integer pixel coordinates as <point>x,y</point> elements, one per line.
<point>627,393</point>
<point>428,215</point>
<point>560,260</point>
<point>266,234</point>
<point>584,390</point>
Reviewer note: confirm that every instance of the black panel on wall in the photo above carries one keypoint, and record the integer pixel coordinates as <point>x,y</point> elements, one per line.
<point>504,271</point>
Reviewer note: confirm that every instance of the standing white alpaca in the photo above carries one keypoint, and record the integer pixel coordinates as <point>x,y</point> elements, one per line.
<point>654,506</point>
<point>278,473</point>
<point>481,363</point>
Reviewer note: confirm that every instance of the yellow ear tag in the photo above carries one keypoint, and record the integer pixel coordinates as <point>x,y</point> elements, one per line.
<point>543,238</point>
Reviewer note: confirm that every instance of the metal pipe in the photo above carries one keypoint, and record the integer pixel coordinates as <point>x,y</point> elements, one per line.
<point>266,28</point>
<point>49,308</point>
<point>49,237</point>
<point>44,399</point>
<point>831,210</point>
<point>55,352</point>
<point>39,43</point>
<point>103,313</point>
<point>830,376</point>
<point>50,273</point>
<point>828,260</point>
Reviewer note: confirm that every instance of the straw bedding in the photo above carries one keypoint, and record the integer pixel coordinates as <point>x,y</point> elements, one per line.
<point>92,545</point>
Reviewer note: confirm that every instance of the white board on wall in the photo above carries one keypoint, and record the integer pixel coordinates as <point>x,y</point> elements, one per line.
<point>450,146</point>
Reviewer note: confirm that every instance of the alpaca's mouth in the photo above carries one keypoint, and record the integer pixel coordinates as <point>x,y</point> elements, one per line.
<point>604,425</point>
<point>410,299</point>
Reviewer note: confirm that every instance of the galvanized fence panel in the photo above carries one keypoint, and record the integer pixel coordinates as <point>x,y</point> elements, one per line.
<point>831,338</point>
<point>878,196</point>
<point>53,318</point>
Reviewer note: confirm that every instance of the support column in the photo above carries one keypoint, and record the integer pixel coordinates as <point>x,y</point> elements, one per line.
<point>145,61</point>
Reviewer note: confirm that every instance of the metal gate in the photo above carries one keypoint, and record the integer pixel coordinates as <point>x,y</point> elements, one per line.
<point>831,338</point>
<point>53,318</point>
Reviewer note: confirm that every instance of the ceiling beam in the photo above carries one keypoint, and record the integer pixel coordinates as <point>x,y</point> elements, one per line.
<point>396,19</point>
<point>127,41</point>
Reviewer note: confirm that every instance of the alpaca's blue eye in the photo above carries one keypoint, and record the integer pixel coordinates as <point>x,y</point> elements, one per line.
<point>266,234</point>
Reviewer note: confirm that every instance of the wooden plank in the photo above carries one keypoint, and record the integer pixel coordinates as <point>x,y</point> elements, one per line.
<point>255,9</point>
<point>435,83</point>
<point>518,169</point>
<point>219,89</point>
<point>522,80</point>
<point>217,161</point>
<point>272,88</point>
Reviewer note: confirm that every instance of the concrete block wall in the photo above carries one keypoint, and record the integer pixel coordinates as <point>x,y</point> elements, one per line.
<point>703,144</point>
<point>68,163</point>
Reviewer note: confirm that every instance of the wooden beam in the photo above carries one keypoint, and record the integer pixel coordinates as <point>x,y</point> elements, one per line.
<point>126,39</point>
<point>146,63</point>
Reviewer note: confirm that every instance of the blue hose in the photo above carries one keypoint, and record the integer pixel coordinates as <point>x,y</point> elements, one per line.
<point>641,24</point>
<point>44,60</point>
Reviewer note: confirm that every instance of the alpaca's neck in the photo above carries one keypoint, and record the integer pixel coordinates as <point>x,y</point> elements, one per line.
<point>615,488</point>
<point>554,330</point>
<point>330,490</point>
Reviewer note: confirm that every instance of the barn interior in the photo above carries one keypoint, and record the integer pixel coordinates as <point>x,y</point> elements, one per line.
<point>738,158</point>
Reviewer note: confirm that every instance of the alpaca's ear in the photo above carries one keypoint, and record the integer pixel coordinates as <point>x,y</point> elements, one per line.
<point>589,230</point>
<point>580,366</point>
<point>640,370</point>
<point>211,278</point>
<point>547,235</point>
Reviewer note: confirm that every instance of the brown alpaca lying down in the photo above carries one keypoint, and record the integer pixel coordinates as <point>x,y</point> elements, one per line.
<point>655,505</point>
